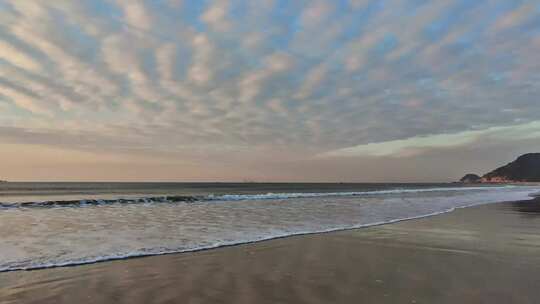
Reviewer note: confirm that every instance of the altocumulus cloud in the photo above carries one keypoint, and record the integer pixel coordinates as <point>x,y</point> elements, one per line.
<point>270,79</point>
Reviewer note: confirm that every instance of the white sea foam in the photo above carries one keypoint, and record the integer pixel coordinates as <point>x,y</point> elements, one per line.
<point>154,252</point>
<point>267,196</point>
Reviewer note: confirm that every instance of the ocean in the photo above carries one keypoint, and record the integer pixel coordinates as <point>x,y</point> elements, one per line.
<point>59,224</point>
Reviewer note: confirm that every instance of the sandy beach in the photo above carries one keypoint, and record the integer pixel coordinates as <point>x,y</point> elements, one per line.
<point>483,254</point>
<point>269,152</point>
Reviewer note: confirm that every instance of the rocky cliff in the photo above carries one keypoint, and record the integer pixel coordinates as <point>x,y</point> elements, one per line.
<point>524,169</point>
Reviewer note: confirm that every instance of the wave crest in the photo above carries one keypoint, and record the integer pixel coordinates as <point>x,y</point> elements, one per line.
<point>231,197</point>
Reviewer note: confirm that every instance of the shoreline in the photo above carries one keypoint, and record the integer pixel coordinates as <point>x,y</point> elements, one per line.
<point>202,249</point>
<point>138,255</point>
<point>438,259</point>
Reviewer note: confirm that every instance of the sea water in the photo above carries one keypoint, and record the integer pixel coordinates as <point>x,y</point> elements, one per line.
<point>58,224</point>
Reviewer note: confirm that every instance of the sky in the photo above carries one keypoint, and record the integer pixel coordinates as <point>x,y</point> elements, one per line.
<point>266,90</point>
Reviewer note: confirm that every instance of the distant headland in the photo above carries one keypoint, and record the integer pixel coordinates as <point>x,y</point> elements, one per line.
<point>525,168</point>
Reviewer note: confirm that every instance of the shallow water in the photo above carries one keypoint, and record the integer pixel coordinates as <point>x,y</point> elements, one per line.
<point>484,254</point>
<point>40,236</point>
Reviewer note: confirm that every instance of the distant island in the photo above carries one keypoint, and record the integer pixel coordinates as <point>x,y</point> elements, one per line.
<point>525,168</point>
<point>471,178</point>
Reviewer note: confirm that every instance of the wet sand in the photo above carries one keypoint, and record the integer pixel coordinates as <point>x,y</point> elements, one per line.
<point>484,254</point>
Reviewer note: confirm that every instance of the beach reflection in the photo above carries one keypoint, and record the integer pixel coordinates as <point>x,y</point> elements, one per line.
<point>472,255</point>
<point>529,208</point>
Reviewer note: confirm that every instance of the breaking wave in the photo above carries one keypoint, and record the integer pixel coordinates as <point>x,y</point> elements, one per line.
<point>234,197</point>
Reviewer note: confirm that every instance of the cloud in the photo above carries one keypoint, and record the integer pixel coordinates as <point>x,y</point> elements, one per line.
<point>216,16</point>
<point>418,144</point>
<point>298,77</point>
<point>253,82</point>
<point>516,17</point>
<point>136,14</point>
<point>312,80</point>
<point>315,13</point>
<point>24,100</point>
<point>201,71</point>
<point>17,57</point>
